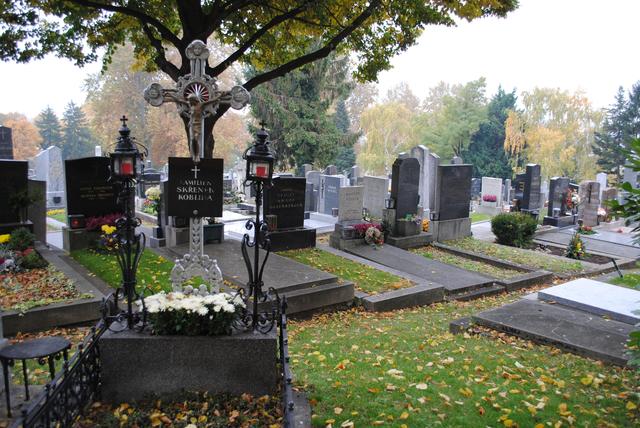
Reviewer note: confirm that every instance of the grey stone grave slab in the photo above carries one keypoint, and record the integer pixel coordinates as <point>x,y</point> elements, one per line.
<point>599,298</point>
<point>376,190</point>
<point>453,279</point>
<point>350,203</point>
<point>601,178</point>
<point>48,166</point>
<point>589,203</point>
<point>456,160</point>
<point>613,249</point>
<point>329,190</point>
<point>331,170</point>
<point>572,330</point>
<point>310,202</point>
<point>492,186</point>
<point>313,177</point>
<point>631,176</point>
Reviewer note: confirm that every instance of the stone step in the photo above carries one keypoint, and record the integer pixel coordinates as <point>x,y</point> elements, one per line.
<point>572,330</point>
<point>476,293</point>
<point>313,298</point>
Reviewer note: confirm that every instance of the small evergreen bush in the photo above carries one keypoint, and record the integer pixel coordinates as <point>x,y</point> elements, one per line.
<point>575,249</point>
<point>514,229</point>
<point>21,239</point>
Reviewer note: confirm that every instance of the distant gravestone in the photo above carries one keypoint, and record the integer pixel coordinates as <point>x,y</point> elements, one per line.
<point>456,160</point>
<point>476,188</point>
<point>310,200</point>
<point>48,166</point>
<point>376,190</point>
<point>405,184</point>
<point>328,197</point>
<point>13,180</point>
<point>557,192</point>
<point>350,203</point>
<point>306,168</point>
<point>601,178</point>
<point>630,176</point>
<point>506,191</point>
<point>331,170</point>
<point>286,200</point>
<point>589,203</point>
<point>195,190</point>
<point>428,168</point>
<point>531,193</point>
<point>313,177</point>
<point>88,189</point>
<point>492,186</point>
<point>6,143</point>
<point>454,191</point>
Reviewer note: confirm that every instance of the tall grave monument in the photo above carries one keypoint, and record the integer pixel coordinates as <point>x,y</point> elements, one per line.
<point>558,214</point>
<point>428,172</point>
<point>6,143</point>
<point>195,184</point>
<point>451,219</point>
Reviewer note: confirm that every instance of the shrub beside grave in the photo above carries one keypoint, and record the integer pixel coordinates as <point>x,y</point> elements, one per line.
<point>514,229</point>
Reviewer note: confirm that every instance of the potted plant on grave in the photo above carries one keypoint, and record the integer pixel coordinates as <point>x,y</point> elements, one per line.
<point>20,202</point>
<point>150,204</point>
<point>213,231</point>
<point>410,225</point>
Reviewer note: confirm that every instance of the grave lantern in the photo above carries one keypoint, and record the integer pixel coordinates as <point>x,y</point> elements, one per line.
<point>125,157</point>
<point>259,159</point>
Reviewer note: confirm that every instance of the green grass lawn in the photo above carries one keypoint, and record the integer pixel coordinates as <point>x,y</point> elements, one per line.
<point>464,263</point>
<point>477,217</point>
<point>57,215</point>
<point>365,278</point>
<point>631,280</point>
<point>518,255</point>
<point>404,369</point>
<point>153,273</point>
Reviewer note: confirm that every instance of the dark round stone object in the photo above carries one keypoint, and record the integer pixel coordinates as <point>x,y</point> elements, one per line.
<point>35,348</point>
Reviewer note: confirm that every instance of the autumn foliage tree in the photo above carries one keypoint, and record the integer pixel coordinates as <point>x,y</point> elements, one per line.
<point>25,136</point>
<point>273,36</point>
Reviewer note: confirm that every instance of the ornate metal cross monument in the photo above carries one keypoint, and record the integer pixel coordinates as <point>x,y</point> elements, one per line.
<point>197,97</point>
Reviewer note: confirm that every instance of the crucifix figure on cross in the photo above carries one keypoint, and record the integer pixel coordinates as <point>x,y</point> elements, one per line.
<point>197,96</point>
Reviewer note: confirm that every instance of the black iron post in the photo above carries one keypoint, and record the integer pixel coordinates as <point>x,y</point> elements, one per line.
<point>130,244</point>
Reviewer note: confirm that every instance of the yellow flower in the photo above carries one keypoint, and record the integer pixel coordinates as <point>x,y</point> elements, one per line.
<point>108,229</point>
<point>4,238</point>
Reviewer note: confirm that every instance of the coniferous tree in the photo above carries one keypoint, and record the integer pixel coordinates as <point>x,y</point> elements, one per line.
<point>610,143</point>
<point>486,150</point>
<point>76,135</point>
<point>49,128</point>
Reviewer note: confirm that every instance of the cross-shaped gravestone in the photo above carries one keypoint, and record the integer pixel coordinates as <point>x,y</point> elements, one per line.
<point>197,97</point>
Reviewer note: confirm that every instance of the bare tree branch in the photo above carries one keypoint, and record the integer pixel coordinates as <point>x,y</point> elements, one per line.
<point>276,20</point>
<point>323,52</point>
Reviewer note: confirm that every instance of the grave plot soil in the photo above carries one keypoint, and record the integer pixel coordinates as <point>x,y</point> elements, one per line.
<point>520,256</point>
<point>434,253</point>
<point>557,251</point>
<point>365,278</point>
<point>189,410</point>
<point>36,287</point>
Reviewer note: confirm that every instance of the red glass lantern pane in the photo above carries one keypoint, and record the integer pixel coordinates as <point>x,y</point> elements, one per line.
<point>126,167</point>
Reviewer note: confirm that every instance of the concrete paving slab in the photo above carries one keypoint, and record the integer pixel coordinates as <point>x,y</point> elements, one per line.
<point>599,298</point>
<point>452,278</point>
<point>569,329</point>
<point>281,273</point>
<point>607,236</point>
<point>613,249</point>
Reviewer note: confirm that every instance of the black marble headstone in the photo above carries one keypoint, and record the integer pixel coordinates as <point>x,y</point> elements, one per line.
<point>532,182</point>
<point>558,187</point>
<point>405,182</point>
<point>454,191</point>
<point>13,180</point>
<point>88,189</point>
<point>195,190</point>
<point>285,199</point>
<point>6,143</point>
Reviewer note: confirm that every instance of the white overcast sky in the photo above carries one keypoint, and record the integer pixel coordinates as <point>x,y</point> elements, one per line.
<point>587,45</point>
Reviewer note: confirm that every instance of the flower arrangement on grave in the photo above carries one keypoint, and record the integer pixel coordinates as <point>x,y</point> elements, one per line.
<point>108,238</point>
<point>17,252</point>
<point>150,204</point>
<point>585,230</point>
<point>572,200</point>
<point>362,228</point>
<point>489,198</point>
<point>178,313</point>
<point>96,223</point>
<point>425,224</point>
<point>412,218</point>
<point>374,236</point>
<point>575,249</point>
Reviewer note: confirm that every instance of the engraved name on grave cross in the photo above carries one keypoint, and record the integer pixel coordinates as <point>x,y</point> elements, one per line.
<point>197,97</point>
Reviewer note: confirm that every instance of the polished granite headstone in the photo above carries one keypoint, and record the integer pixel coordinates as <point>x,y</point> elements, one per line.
<point>6,143</point>
<point>88,189</point>
<point>531,193</point>
<point>13,180</point>
<point>286,200</point>
<point>454,191</point>
<point>405,182</point>
<point>195,190</point>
